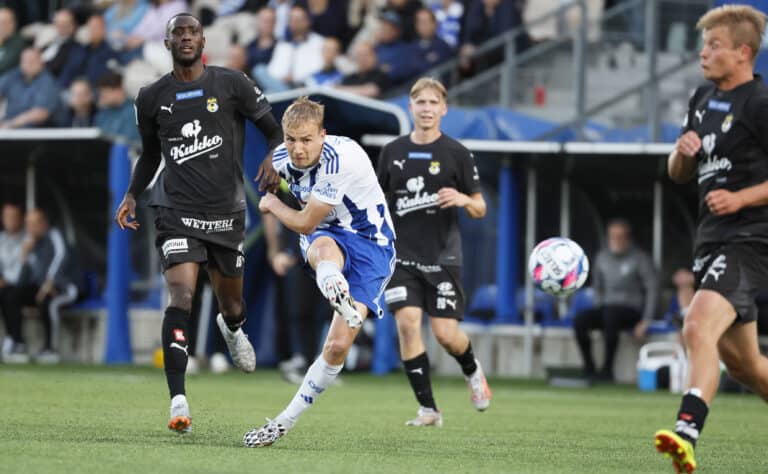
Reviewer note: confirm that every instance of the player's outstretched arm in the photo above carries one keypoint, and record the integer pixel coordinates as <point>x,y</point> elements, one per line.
<point>304,221</point>
<point>681,164</point>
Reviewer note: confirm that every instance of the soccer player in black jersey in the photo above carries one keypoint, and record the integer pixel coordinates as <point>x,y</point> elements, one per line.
<point>724,145</point>
<point>195,117</point>
<point>427,177</point>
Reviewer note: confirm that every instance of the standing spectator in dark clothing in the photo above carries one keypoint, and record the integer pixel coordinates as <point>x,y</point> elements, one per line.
<point>626,291</point>
<point>81,106</point>
<point>56,53</point>
<point>95,58</point>
<point>11,243</point>
<point>431,48</point>
<point>31,94</point>
<point>11,43</point>
<point>486,19</point>
<point>260,49</point>
<point>329,76</point>
<point>47,280</point>
<point>328,17</point>
<point>369,80</point>
<point>406,11</point>
<point>396,57</point>
<point>116,116</point>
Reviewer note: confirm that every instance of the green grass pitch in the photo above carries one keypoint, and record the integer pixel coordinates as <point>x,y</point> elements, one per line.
<point>73,419</point>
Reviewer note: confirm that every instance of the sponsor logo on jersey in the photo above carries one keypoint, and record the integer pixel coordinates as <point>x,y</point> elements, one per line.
<point>718,105</point>
<point>727,123</point>
<point>445,289</point>
<point>168,108</point>
<point>327,191</point>
<point>209,227</point>
<point>700,115</point>
<point>698,263</point>
<point>398,163</point>
<point>396,294</point>
<point>172,246</point>
<point>419,200</point>
<point>298,188</point>
<point>212,104</point>
<point>199,146</point>
<point>713,164</point>
<point>417,155</point>
<point>193,94</point>
<point>178,335</point>
<point>434,167</point>
<point>420,267</point>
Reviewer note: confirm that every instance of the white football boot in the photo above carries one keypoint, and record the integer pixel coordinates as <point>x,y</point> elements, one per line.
<point>480,392</point>
<point>180,421</point>
<point>427,417</point>
<point>337,292</point>
<point>243,355</point>
<point>264,436</point>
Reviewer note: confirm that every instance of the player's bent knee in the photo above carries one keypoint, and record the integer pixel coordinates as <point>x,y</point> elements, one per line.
<point>181,296</point>
<point>336,349</point>
<point>696,336</point>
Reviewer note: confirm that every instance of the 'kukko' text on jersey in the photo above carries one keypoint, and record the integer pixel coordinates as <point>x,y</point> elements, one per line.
<point>411,175</point>
<point>733,128</point>
<point>200,126</point>
<point>345,179</point>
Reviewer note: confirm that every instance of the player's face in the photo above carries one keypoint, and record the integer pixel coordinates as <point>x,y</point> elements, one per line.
<point>719,57</point>
<point>304,143</point>
<point>427,108</point>
<point>185,40</point>
<point>618,238</point>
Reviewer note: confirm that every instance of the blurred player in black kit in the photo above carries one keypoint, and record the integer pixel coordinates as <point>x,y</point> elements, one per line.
<point>195,118</point>
<point>724,145</point>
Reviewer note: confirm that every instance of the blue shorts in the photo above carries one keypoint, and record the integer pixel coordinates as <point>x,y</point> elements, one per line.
<point>368,266</point>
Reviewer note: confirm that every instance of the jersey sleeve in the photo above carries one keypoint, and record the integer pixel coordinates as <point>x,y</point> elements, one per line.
<point>382,168</point>
<point>251,102</point>
<point>757,118</point>
<point>469,178</point>
<point>687,124</point>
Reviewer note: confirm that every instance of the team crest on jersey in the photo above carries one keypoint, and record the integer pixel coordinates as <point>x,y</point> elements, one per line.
<point>727,123</point>
<point>212,104</point>
<point>434,167</point>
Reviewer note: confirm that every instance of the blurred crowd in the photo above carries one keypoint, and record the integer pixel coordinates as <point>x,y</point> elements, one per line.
<point>81,64</point>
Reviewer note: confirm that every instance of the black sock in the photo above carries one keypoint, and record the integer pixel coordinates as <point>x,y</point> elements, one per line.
<point>690,418</point>
<point>467,361</point>
<point>417,370</point>
<point>175,344</point>
<point>234,322</point>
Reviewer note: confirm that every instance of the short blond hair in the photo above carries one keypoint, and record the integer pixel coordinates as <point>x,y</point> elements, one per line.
<point>429,83</point>
<point>745,24</point>
<point>303,110</point>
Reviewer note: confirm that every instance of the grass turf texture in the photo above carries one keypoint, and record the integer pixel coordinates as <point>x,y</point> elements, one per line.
<point>96,419</point>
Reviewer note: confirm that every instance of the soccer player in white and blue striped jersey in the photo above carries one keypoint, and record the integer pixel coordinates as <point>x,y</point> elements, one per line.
<point>347,239</point>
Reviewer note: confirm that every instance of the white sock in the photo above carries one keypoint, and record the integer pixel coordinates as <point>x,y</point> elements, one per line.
<point>325,270</point>
<point>319,377</point>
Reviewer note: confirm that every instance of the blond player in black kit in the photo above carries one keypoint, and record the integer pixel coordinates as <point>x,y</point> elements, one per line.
<point>724,146</point>
<point>194,117</point>
<point>427,177</point>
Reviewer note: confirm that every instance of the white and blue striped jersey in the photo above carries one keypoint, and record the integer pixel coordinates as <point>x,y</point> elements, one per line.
<point>344,178</point>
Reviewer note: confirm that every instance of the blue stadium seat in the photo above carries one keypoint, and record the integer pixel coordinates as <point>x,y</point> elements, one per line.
<point>482,305</point>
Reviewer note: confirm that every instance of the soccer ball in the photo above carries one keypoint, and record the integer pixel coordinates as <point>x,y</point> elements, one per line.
<point>558,266</point>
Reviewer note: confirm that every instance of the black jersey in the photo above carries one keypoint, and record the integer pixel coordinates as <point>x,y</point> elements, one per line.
<point>733,127</point>
<point>200,128</point>
<point>411,175</point>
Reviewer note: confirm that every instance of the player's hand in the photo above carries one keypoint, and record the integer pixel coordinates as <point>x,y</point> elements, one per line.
<point>126,209</point>
<point>688,144</point>
<point>266,202</point>
<point>640,330</point>
<point>267,177</point>
<point>46,289</point>
<point>282,262</point>
<point>722,202</point>
<point>449,197</point>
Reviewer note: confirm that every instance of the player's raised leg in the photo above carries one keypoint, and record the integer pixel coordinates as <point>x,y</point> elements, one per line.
<point>709,318</point>
<point>180,280</point>
<point>457,343</point>
<point>229,293</point>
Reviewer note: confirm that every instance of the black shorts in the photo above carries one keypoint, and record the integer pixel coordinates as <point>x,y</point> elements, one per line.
<point>201,237</point>
<point>736,270</point>
<point>436,289</point>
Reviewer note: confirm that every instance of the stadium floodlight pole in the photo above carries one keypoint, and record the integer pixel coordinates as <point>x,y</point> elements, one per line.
<point>530,242</point>
<point>580,69</point>
<point>651,51</point>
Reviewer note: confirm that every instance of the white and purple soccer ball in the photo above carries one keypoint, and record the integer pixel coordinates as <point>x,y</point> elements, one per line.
<point>558,266</point>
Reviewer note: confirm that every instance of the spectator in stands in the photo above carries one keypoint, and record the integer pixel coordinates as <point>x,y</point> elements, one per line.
<point>448,14</point>
<point>56,53</point>
<point>81,106</point>
<point>328,17</point>
<point>369,80</point>
<point>431,48</point>
<point>96,58</point>
<point>486,19</point>
<point>282,10</point>
<point>683,279</point>
<point>261,48</point>
<point>396,57</point>
<point>32,98</point>
<point>116,116</point>
<point>363,18</point>
<point>121,20</point>
<point>11,243</point>
<point>11,43</point>
<point>626,293</point>
<point>47,280</point>
<point>237,59</point>
<point>406,11</point>
<point>153,23</point>
<point>294,60</point>
<point>329,75</point>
